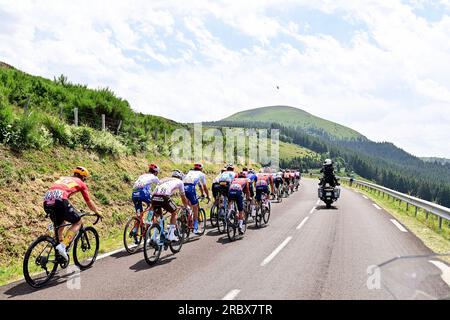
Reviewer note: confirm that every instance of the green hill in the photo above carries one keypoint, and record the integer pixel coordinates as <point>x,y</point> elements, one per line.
<point>297,118</point>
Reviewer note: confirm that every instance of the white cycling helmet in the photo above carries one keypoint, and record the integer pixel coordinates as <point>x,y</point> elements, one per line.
<point>328,162</point>
<point>177,174</point>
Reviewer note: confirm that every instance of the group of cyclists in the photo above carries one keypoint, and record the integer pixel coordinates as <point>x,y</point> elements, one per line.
<point>158,195</point>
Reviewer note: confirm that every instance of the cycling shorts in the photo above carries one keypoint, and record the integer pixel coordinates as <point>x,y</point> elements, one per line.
<point>191,193</point>
<point>237,195</point>
<point>62,211</point>
<point>215,188</point>
<point>140,196</point>
<point>260,190</point>
<point>163,202</point>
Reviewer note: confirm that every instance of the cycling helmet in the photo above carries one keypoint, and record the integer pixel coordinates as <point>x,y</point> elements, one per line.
<point>177,174</point>
<point>328,162</point>
<point>198,166</point>
<point>245,169</point>
<point>267,170</point>
<point>242,174</point>
<point>251,171</point>
<point>153,168</point>
<point>229,167</point>
<point>81,171</point>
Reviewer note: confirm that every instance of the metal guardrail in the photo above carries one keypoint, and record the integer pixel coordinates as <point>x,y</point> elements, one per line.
<point>441,212</point>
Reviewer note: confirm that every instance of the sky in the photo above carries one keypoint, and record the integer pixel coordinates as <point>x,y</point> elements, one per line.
<point>379,67</point>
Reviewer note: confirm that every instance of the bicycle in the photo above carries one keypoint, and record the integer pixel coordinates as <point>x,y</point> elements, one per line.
<point>187,220</point>
<point>141,225</point>
<point>222,214</point>
<point>263,210</point>
<point>279,194</point>
<point>233,222</point>
<point>156,238</point>
<point>49,258</point>
<point>213,213</point>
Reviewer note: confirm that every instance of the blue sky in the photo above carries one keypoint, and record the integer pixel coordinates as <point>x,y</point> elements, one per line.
<point>380,67</point>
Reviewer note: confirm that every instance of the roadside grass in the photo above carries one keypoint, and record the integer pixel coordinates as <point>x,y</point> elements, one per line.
<point>427,230</point>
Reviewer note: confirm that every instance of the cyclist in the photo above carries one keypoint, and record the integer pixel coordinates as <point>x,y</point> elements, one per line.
<point>298,177</point>
<point>265,179</point>
<point>58,207</point>
<point>162,199</point>
<point>238,187</point>
<point>142,193</point>
<point>226,178</point>
<point>278,180</point>
<point>215,187</point>
<point>292,180</point>
<point>191,180</point>
<point>287,178</point>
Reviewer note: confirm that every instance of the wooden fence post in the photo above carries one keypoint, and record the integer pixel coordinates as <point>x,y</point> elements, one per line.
<point>75,114</point>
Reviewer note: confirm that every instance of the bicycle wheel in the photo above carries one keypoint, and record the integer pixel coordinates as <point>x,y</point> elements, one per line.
<point>175,246</point>
<point>182,223</point>
<point>213,216</point>
<point>231,225</point>
<point>40,262</point>
<point>132,241</point>
<point>221,220</point>
<point>153,244</point>
<point>85,248</point>
<point>266,214</point>
<point>201,222</point>
<point>259,216</point>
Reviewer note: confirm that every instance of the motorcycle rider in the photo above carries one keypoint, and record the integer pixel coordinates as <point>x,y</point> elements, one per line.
<point>328,174</point>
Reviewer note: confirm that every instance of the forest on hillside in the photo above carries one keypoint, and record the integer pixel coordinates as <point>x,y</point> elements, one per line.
<point>382,163</point>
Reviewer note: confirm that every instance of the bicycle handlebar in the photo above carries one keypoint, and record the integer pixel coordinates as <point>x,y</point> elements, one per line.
<point>87,214</point>
<point>203,199</point>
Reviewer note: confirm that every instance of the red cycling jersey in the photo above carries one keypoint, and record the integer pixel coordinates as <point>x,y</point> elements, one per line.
<point>264,179</point>
<point>239,184</point>
<point>64,188</point>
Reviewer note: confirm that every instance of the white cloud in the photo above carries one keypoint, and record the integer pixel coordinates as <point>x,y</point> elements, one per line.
<point>391,81</point>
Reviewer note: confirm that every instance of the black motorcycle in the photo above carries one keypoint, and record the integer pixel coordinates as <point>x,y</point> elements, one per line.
<point>329,194</point>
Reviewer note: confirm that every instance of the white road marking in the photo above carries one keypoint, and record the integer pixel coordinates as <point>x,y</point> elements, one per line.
<point>312,210</point>
<point>318,202</point>
<point>105,255</point>
<point>303,223</point>
<point>398,225</point>
<point>275,252</point>
<point>232,294</point>
<point>365,197</point>
<point>445,270</point>
<point>376,206</point>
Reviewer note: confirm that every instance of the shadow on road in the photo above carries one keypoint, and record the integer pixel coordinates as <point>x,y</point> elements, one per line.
<point>319,208</point>
<point>23,289</point>
<point>141,265</point>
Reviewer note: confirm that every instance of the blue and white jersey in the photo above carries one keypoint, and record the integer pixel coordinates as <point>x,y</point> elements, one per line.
<point>145,182</point>
<point>227,176</point>
<point>252,178</point>
<point>195,177</point>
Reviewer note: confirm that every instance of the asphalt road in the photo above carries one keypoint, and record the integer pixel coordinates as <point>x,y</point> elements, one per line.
<point>306,252</point>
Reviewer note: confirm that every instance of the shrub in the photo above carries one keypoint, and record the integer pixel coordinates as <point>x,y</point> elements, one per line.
<point>60,131</point>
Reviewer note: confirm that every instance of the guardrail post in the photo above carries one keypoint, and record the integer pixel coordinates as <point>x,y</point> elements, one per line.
<point>417,210</point>
<point>427,214</point>
<point>407,206</point>
<point>440,223</point>
<point>75,115</point>
<point>103,122</point>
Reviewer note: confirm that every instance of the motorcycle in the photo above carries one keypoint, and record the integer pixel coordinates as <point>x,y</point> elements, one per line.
<point>329,194</point>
